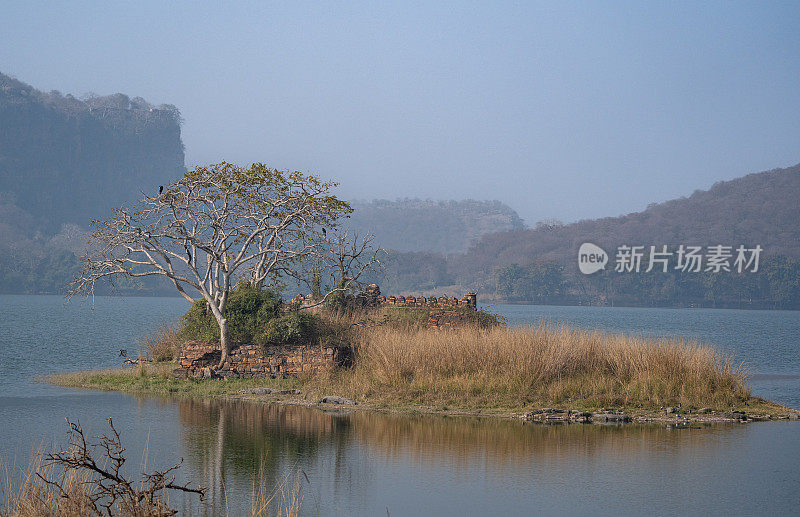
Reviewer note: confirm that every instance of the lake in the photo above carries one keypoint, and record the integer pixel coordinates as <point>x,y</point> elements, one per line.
<point>367,464</point>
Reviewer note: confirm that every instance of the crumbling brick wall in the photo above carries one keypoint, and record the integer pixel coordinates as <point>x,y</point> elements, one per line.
<point>442,311</point>
<point>372,297</point>
<point>199,359</point>
<point>373,294</point>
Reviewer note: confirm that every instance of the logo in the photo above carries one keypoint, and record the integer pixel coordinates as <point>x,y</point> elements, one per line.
<point>591,258</point>
<point>687,259</point>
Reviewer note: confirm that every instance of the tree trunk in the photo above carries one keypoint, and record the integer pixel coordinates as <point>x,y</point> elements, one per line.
<point>224,342</point>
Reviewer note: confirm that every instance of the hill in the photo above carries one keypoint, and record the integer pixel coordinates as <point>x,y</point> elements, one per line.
<point>760,208</point>
<point>540,264</point>
<point>65,161</point>
<point>431,226</point>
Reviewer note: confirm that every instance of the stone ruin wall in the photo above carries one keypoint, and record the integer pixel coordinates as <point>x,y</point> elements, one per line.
<point>442,302</point>
<point>373,298</point>
<point>199,360</point>
<point>440,309</point>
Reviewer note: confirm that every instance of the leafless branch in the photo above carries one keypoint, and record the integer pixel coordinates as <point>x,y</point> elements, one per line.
<point>106,488</point>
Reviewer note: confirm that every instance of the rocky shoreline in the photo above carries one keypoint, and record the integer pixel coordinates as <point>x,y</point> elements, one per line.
<point>555,416</point>
<point>669,415</point>
<point>159,382</point>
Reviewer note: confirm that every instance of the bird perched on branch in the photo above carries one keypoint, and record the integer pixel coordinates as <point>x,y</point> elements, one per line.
<point>124,354</point>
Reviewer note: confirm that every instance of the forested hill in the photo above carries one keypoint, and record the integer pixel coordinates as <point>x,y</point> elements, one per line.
<point>761,208</point>
<point>68,160</point>
<point>433,226</point>
<point>540,265</point>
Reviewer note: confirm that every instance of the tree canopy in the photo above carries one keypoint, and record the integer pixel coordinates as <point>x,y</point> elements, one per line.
<point>222,224</point>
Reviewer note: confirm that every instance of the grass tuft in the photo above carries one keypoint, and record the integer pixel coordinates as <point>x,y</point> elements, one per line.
<point>163,344</point>
<point>545,364</point>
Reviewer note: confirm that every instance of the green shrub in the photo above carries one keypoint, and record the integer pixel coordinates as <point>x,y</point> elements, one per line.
<point>257,316</point>
<point>293,327</point>
<point>486,319</point>
<point>199,323</point>
<point>249,310</point>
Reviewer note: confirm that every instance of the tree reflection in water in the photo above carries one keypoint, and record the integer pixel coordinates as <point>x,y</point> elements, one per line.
<point>229,442</point>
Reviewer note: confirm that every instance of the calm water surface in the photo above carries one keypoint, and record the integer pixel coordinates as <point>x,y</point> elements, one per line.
<point>364,464</point>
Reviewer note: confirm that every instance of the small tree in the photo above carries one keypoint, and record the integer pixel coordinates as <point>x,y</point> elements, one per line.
<point>344,259</point>
<point>215,226</point>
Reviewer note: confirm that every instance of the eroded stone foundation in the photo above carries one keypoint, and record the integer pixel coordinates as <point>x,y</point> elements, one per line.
<point>199,360</point>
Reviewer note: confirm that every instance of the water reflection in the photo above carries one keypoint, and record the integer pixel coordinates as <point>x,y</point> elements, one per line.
<point>232,443</point>
<point>365,463</point>
<point>359,462</point>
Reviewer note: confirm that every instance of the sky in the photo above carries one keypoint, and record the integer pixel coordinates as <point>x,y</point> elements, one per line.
<point>559,109</point>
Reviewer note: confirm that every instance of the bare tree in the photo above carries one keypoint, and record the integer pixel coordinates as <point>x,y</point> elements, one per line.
<point>106,488</point>
<point>216,225</point>
<point>344,259</point>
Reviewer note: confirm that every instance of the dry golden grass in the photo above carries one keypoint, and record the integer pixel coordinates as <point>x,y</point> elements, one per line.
<point>512,367</point>
<point>499,370</point>
<point>283,500</point>
<point>31,496</point>
<point>163,344</point>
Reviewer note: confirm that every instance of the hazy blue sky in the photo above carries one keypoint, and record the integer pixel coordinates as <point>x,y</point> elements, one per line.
<point>566,110</point>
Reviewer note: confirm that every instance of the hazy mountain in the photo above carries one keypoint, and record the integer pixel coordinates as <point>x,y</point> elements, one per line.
<point>761,208</point>
<point>432,226</point>
<point>65,160</point>
<point>540,264</point>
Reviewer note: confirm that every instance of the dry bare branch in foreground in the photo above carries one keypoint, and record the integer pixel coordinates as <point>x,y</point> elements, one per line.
<point>105,489</point>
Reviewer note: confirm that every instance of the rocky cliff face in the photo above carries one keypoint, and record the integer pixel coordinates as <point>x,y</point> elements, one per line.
<point>65,160</point>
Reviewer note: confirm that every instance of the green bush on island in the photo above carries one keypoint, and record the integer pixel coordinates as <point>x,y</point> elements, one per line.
<point>485,319</point>
<point>258,316</point>
<point>249,312</point>
<point>294,327</point>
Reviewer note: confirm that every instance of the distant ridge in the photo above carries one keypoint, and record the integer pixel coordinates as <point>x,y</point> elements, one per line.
<point>65,161</point>
<point>761,208</point>
<point>539,265</point>
<point>432,226</point>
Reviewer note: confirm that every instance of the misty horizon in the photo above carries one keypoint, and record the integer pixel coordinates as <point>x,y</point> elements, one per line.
<point>136,102</point>
<point>412,258</point>
<point>531,105</point>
